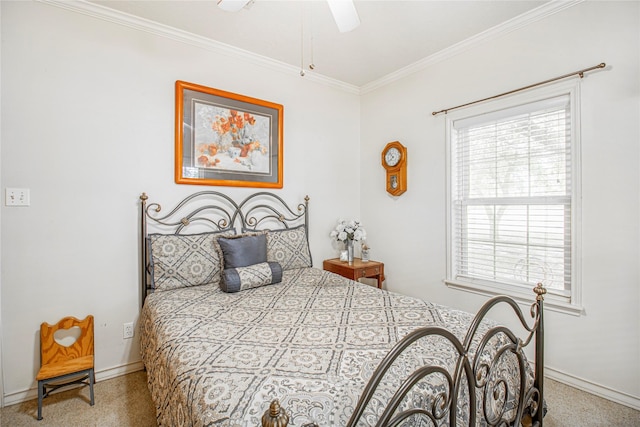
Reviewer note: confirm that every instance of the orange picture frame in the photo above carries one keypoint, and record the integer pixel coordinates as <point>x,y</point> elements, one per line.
<point>227,139</point>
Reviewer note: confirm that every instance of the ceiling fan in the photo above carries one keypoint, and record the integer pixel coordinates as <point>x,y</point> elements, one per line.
<point>343,11</point>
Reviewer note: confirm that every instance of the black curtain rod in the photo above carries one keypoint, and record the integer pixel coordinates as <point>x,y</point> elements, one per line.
<point>575,73</point>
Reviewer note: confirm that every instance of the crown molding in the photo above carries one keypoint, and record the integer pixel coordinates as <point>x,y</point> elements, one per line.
<point>141,24</point>
<point>527,18</point>
<point>145,25</point>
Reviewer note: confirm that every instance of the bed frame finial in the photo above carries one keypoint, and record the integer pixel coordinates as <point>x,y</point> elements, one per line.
<point>540,290</point>
<point>275,416</point>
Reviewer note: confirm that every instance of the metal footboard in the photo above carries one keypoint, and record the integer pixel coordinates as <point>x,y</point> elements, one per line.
<point>495,396</point>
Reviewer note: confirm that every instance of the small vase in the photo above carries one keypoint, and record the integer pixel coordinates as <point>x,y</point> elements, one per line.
<point>349,245</point>
<point>364,254</point>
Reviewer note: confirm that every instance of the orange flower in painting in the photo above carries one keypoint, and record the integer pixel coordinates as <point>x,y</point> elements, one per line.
<point>205,161</point>
<point>239,122</point>
<point>221,125</point>
<point>249,119</point>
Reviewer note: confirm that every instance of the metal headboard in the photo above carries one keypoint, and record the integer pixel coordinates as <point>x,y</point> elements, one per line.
<point>216,211</point>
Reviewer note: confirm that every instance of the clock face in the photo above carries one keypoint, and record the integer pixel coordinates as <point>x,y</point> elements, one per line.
<point>392,157</point>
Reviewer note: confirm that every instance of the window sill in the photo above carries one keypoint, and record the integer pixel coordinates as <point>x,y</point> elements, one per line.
<point>551,302</point>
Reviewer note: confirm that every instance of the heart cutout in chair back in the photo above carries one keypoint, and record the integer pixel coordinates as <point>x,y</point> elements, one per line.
<point>66,337</point>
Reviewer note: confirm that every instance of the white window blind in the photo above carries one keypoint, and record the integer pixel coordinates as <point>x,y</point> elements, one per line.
<point>511,196</point>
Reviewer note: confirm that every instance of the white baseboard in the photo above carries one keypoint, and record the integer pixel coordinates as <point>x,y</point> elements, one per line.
<point>106,374</point>
<point>101,375</point>
<point>593,388</point>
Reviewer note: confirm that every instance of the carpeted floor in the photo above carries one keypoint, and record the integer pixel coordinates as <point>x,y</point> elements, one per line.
<point>125,402</point>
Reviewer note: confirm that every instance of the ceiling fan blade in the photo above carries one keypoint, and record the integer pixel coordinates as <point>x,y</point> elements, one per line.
<point>345,14</point>
<point>343,11</point>
<point>232,5</point>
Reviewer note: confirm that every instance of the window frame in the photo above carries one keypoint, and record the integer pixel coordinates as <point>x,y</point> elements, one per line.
<point>557,301</point>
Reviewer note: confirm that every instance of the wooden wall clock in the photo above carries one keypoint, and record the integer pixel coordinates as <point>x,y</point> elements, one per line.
<point>394,160</point>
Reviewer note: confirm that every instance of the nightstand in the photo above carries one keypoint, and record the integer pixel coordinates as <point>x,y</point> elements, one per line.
<point>357,270</point>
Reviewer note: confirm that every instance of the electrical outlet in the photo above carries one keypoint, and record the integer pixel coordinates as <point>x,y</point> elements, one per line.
<point>17,197</point>
<point>127,330</point>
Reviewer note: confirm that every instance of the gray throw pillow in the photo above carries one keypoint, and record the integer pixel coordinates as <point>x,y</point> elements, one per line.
<point>252,276</point>
<point>243,250</point>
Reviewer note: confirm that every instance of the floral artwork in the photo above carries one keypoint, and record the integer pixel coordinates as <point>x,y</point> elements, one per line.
<point>231,140</point>
<point>227,139</point>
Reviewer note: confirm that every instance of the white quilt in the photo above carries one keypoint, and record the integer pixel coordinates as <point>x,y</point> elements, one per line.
<point>312,341</point>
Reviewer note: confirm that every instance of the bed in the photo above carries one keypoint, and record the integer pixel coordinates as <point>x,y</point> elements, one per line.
<point>232,335</point>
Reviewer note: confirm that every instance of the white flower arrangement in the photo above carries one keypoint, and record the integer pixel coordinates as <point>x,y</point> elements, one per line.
<point>349,230</point>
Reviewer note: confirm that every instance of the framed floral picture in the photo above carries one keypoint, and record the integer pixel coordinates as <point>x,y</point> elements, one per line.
<point>227,139</point>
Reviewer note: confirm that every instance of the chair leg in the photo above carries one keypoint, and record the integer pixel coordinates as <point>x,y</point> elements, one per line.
<point>92,380</point>
<point>40,396</point>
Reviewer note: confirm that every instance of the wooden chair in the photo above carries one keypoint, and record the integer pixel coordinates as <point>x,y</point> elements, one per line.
<point>62,365</point>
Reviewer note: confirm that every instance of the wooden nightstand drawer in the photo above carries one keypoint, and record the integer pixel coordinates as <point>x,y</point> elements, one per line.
<point>357,270</point>
<point>368,271</point>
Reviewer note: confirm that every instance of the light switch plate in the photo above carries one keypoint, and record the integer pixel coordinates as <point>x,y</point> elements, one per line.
<point>17,197</point>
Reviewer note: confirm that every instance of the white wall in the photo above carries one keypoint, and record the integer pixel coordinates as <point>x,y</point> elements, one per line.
<point>599,350</point>
<point>87,125</point>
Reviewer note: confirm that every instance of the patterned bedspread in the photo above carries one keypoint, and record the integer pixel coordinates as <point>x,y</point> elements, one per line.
<point>312,341</point>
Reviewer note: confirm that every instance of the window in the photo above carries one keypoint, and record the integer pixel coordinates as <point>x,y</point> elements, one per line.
<point>512,196</point>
